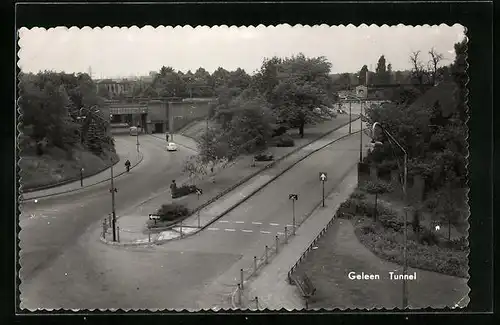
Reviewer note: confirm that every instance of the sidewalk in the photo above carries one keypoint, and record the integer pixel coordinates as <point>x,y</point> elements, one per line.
<point>124,149</point>
<point>178,139</point>
<point>271,286</point>
<point>240,175</point>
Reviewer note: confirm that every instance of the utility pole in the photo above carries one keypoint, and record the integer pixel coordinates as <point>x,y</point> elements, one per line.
<point>113,191</point>
<point>350,119</point>
<point>405,254</point>
<point>393,143</point>
<point>293,197</point>
<point>137,137</point>
<point>361,133</point>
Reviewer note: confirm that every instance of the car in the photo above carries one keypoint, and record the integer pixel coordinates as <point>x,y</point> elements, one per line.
<point>133,130</point>
<point>171,146</point>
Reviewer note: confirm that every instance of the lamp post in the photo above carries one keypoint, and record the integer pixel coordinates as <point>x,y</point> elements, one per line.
<point>392,141</point>
<point>137,137</point>
<point>293,197</point>
<point>81,177</point>
<point>361,132</point>
<point>113,212</point>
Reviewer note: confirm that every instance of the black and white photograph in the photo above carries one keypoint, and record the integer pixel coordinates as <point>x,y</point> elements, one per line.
<point>253,168</point>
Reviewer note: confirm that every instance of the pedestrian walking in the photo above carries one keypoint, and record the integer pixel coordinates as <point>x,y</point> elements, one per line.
<point>212,176</point>
<point>166,136</point>
<point>173,187</point>
<point>127,165</point>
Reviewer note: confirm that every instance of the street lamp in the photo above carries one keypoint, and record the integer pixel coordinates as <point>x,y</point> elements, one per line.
<point>393,141</point>
<point>137,137</point>
<point>81,176</point>
<point>113,190</point>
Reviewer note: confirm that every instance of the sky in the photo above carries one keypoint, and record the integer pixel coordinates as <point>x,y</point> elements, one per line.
<point>120,52</point>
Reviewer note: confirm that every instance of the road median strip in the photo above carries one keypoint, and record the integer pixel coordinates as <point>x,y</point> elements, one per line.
<point>248,178</point>
<point>263,186</point>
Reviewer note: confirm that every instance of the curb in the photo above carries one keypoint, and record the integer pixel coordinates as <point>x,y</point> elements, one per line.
<point>87,186</point>
<point>256,191</point>
<point>244,180</point>
<point>247,178</point>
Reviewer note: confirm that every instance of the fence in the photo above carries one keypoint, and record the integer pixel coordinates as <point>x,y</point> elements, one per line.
<point>280,240</point>
<point>259,262</point>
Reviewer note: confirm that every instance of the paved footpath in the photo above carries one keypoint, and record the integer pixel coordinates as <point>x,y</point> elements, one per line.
<point>271,285</point>
<point>133,223</point>
<point>125,148</point>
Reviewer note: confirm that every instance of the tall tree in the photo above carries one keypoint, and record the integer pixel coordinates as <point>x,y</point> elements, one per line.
<point>418,72</point>
<point>381,71</point>
<point>220,77</point>
<point>300,97</point>
<point>435,60</point>
<point>362,75</point>
<point>389,74</point>
<point>266,79</point>
<point>460,76</point>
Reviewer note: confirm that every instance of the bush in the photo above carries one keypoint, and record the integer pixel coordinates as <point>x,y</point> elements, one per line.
<point>279,131</point>
<point>285,141</point>
<point>428,237</point>
<point>358,194</point>
<point>460,244</point>
<point>264,157</point>
<point>390,221</point>
<point>183,191</point>
<point>170,212</point>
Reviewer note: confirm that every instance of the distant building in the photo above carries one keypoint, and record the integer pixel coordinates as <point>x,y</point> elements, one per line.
<point>157,115</point>
<point>115,88</point>
<point>361,91</point>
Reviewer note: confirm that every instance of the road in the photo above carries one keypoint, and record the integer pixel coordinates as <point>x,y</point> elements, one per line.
<point>52,226</point>
<point>193,273</point>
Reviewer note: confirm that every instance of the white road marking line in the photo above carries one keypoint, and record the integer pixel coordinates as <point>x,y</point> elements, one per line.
<point>265,232</point>
<point>256,223</point>
<point>229,229</point>
<point>274,224</point>
<point>246,230</point>
<point>223,221</point>
<point>289,226</point>
<point>280,233</point>
<point>213,228</point>
<point>239,222</point>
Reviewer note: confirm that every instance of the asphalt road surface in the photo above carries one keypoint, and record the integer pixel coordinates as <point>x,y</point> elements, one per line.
<point>198,272</point>
<point>52,226</point>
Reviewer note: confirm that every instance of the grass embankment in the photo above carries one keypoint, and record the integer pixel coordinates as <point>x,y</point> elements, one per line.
<point>428,249</point>
<point>56,166</point>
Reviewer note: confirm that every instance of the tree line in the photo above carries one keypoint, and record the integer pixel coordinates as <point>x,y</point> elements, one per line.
<point>284,93</point>
<point>57,110</point>
<point>432,127</point>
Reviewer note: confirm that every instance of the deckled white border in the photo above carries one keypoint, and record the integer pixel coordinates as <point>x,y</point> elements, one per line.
<point>18,184</point>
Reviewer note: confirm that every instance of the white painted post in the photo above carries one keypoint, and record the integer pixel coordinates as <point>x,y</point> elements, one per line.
<point>286,236</point>
<point>241,278</point>
<point>267,248</point>
<point>277,243</point>
<point>255,264</point>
